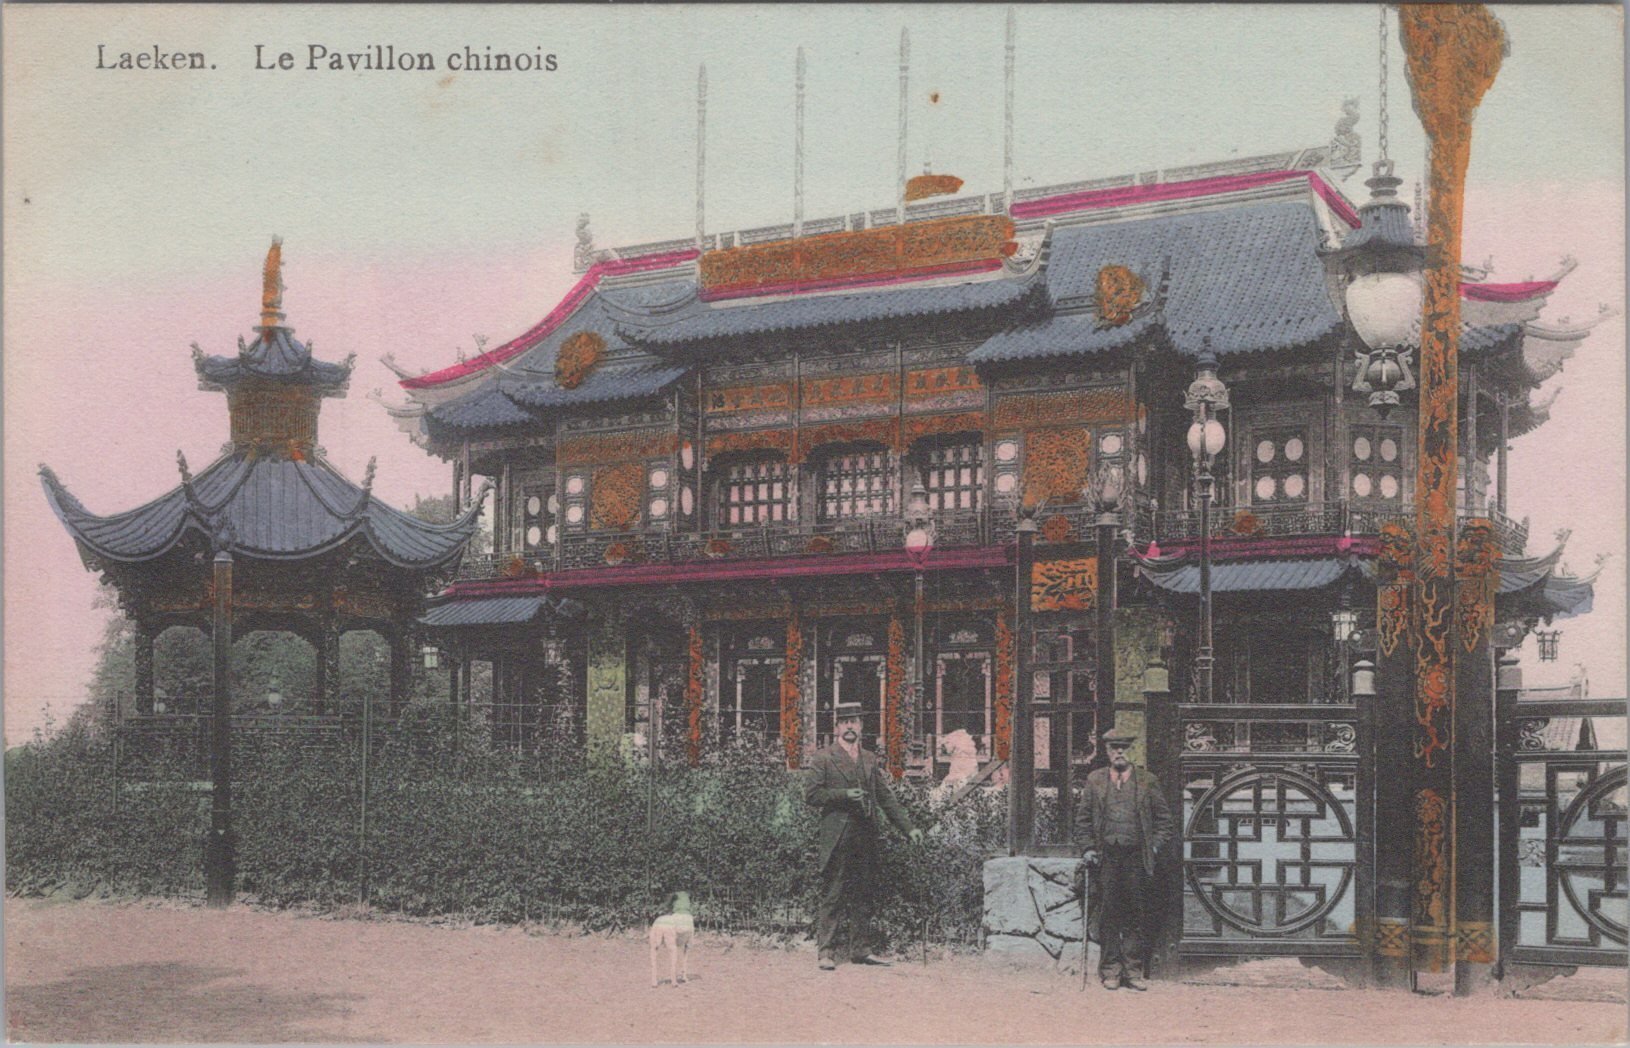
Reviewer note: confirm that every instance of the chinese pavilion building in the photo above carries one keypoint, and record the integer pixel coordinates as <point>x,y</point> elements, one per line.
<point>315,554</point>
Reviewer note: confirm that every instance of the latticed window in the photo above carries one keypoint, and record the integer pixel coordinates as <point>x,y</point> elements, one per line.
<point>858,483</point>
<point>954,476</point>
<point>1377,462</point>
<point>1279,465</point>
<point>755,491</point>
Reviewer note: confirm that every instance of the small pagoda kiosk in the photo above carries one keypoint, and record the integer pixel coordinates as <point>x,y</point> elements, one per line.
<point>315,554</point>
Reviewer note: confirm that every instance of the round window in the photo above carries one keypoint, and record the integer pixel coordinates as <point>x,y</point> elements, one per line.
<point>1361,449</point>
<point>1294,449</point>
<point>1006,482</point>
<point>659,507</point>
<point>534,506</point>
<point>1295,485</point>
<point>1389,487</point>
<point>534,535</point>
<point>1389,450</point>
<point>1361,485</point>
<point>574,514</point>
<point>1110,444</point>
<point>1006,450</point>
<point>1265,488</point>
<point>574,484</point>
<point>659,479</point>
<point>1264,451</point>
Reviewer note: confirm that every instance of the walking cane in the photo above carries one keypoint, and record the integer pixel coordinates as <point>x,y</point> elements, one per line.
<point>1084,938</point>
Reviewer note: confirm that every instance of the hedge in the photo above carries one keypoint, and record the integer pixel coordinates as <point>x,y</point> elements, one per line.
<point>480,834</point>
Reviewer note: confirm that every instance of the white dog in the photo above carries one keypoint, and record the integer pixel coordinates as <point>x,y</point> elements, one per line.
<point>673,930</point>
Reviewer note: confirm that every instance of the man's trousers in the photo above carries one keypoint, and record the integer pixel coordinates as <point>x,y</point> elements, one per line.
<point>843,917</point>
<point>1123,942</point>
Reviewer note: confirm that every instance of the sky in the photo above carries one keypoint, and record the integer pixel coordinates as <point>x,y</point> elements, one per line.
<point>420,209</point>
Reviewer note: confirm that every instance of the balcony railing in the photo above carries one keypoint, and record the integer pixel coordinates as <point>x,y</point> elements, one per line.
<point>1318,518</point>
<point>985,527</point>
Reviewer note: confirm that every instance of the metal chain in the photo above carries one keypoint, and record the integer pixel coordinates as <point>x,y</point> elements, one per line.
<point>1383,136</point>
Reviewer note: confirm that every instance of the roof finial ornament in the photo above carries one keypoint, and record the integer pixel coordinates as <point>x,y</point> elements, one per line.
<point>368,475</point>
<point>271,291</point>
<point>181,464</point>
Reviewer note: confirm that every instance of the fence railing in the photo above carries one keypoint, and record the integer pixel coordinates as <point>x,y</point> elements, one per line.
<point>988,526</point>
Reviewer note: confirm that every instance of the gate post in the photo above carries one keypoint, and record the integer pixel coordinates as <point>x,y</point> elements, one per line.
<point>1162,749</point>
<point>1390,761</point>
<point>1508,686</point>
<point>1473,762</point>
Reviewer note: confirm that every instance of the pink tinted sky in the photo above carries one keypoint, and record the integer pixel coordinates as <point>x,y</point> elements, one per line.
<point>420,211</point>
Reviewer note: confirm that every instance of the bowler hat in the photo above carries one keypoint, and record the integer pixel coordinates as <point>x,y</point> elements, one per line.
<point>846,711</point>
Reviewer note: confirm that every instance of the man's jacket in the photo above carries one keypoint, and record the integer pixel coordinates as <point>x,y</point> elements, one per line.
<point>830,773</point>
<point>1154,815</point>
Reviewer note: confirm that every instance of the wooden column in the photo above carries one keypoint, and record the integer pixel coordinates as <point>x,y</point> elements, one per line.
<point>218,845</point>
<point>1453,56</point>
<point>146,634</point>
<point>328,667</point>
<point>1022,777</point>
<point>1392,722</point>
<point>1477,568</point>
<point>402,653</point>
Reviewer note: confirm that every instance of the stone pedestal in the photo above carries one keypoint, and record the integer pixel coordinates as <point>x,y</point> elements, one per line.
<point>1033,911</point>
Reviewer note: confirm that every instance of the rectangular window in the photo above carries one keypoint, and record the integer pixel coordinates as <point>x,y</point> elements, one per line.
<point>755,492</point>
<point>955,476</point>
<point>1279,465</point>
<point>857,484</point>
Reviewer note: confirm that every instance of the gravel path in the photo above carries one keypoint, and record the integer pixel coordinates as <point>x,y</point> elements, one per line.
<point>97,972</point>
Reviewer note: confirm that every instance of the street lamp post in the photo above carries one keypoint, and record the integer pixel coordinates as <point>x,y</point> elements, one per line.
<point>919,542</point>
<point>1206,397</point>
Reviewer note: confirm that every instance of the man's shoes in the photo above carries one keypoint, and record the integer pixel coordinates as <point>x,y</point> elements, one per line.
<point>1133,982</point>
<point>828,964</point>
<point>1111,983</point>
<point>868,959</point>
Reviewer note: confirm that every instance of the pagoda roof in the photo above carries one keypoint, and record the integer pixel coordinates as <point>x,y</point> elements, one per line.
<point>275,355</point>
<point>509,400</point>
<point>265,507</point>
<point>1248,278</point>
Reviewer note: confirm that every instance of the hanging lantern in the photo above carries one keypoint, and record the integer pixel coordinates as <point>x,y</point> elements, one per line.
<point>1385,309</point>
<point>1549,641</point>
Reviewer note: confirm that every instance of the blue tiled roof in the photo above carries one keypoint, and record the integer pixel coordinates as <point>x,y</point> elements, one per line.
<point>1248,278</point>
<point>500,611</point>
<point>703,321</point>
<point>1254,575</point>
<point>487,407</point>
<point>280,509</point>
<point>275,354</point>
<point>611,382</point>
<point>1066,334</point>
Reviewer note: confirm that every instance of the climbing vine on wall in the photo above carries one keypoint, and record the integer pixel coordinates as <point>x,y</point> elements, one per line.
<point>791,735</point>
<point>894,738</point>
<point>1004,680</point>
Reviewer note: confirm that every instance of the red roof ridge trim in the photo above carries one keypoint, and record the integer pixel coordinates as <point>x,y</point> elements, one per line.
<point>557,316</point>
<point>1521,292</point>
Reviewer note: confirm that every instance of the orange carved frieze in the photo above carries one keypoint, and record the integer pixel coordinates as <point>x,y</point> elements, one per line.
<point>614,501</point>
<point>834,257</point>
<point>932,382</point>
<point>1064,585</point>
<point>849,389</point>
<point>1056,464</point>
<point>1103,405</point>
<point>607,448</point>
<point>763,396</point>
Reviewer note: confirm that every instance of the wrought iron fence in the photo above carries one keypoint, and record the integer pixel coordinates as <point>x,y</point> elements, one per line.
<point>1564,816</point>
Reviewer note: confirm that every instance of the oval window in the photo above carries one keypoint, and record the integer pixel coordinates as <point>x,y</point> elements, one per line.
<point>687,501</point>
<point>1295,485</point>
<point>1264,451</point>
<point>687,455</point>
<point>1265,488</point>
<point>551,534</point>
<point>1389,487</point>
<point>1294,449</point>
<point>534,506</point>
<point>534,535</point>
<point>1361,449</point>
<point>1389,450</point>
<point>1361,485</point>
<point>1143,469</point>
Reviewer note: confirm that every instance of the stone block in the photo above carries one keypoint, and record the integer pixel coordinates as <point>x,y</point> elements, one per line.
<point>1032,910</point>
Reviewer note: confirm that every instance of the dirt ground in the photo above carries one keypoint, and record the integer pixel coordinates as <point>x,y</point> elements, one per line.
<point>97,972</point>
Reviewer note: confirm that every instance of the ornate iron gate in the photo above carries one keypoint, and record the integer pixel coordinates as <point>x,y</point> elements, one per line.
<point>1563,822</point>
<point>1274,825</point>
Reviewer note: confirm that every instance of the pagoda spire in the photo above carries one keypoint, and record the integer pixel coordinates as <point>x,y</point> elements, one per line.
<point>271,292</point>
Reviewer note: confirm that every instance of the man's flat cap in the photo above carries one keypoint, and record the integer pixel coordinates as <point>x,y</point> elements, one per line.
<point>1120,736</point>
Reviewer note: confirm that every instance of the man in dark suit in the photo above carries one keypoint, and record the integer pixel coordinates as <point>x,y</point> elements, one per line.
<point>1123,821</point>
<point>848,784</point>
